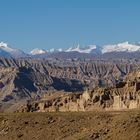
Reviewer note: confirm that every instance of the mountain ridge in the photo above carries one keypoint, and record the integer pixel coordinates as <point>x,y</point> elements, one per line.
<point>120,47</point>
<point>95,49</point>
<point>8,51</point>
<point>92,50</point>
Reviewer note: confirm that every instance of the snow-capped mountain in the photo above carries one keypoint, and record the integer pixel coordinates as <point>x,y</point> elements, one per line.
<point>121,47</point>
<point>55,50</point>
<point>92,50</point>
<point>37,51</point>
<point>85,49</point>
<point>7,51</point>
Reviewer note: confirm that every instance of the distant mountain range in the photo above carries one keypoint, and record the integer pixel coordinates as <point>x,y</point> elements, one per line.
<point>78,51</point>
<point>7,51</point>
<point>121,47</point>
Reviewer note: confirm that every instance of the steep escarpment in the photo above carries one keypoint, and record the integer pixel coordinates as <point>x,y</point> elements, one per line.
<point>33,78</point>
<point>21,82</point>
<point>89,72</point>
<point>125,95</point>
<point>26,82</point>
<point>7,76</point>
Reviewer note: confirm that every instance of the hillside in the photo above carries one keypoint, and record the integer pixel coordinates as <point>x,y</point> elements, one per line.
<point>71,126</point>
<point>26,79</point>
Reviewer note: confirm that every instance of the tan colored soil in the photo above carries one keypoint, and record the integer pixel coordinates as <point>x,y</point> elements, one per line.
<point>71,126</point>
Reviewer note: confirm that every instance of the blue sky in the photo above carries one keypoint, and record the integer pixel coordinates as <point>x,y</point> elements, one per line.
<point>28,24</point>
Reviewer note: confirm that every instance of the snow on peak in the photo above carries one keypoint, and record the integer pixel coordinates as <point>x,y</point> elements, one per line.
<point>37,51</point>
<point>55,50</point>
<point>2,44</point>
<point>5,47</point>
<point>60,50</point>
<point>52,50</point>
<point>121,47</point>
<point>82,49</point>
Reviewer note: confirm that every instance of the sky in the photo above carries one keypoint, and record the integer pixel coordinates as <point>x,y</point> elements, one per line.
<point>29,24</point>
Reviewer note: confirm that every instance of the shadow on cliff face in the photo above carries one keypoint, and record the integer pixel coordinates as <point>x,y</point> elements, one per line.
<point>68,85</point>
<point>24,79</point>
<point>27,77</point>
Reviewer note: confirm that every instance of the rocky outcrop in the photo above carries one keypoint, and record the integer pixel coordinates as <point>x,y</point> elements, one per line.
<point>30,79</point>
<point>126,95</point>
<point>89,72</point>
<point>27,82</point>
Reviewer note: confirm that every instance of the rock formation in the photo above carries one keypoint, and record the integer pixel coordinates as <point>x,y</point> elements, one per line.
<point>30,79</point>
<point>125,95</point>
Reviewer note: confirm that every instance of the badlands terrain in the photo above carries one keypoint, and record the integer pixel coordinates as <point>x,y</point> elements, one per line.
<point>69,99</point>
<point>32,79</point>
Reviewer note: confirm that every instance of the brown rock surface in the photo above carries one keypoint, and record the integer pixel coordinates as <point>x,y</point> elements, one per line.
<point>28,79</point>
<point>126,95</point>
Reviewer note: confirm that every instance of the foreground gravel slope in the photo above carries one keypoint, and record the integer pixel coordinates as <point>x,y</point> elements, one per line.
<point>71,126</point>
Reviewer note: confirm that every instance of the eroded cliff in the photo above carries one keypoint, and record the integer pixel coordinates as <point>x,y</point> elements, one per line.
<point>125,95</point>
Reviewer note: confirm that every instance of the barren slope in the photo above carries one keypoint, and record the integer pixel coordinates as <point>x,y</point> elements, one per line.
<point>71,126</point>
